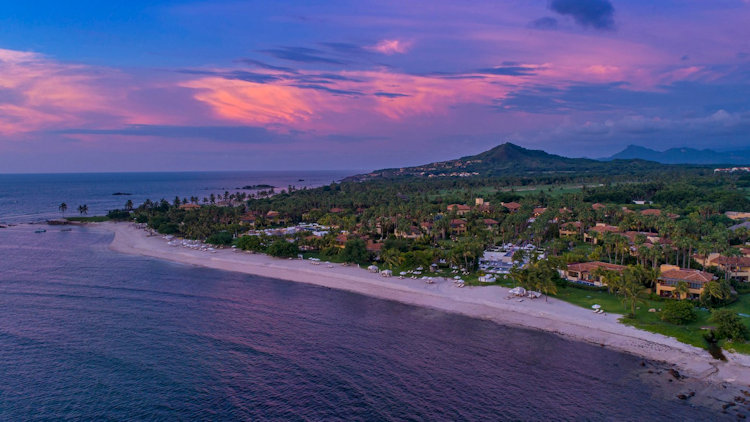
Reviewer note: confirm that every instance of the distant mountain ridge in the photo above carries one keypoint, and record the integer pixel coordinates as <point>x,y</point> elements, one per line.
<point>508,159</point>
<point>683,156</point>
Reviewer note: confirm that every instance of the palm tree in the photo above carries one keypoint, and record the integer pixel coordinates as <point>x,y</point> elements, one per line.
<point>129,205</point>
<point>83,209</point>
<point>62,208</point>
<point>682,289</point>
<point>715,291</point>
<point>392,258</point>
<point>630,288</point>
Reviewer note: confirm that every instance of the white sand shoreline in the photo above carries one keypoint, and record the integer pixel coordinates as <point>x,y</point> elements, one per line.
<point>488,302</point>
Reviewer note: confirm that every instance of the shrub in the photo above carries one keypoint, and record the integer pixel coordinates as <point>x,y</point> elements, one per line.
<point>728,325</point>
<point>250,243</point>
<point>282,248</point>
<point>355,251</point>
<point>168,228</point>
<point>220,238</point>
<point>679,312</point>
<point>118,215</point>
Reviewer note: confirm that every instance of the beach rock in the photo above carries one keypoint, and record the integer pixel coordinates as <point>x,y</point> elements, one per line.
<point>682,397</point>
<point>727,405</point>
<point>673,372</point>
<point>643,363</point>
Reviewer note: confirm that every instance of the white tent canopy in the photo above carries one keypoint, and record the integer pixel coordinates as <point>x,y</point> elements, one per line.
<point>518,291</point>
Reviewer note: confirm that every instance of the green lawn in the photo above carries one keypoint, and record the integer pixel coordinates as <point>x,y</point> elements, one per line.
<point>650,321</point>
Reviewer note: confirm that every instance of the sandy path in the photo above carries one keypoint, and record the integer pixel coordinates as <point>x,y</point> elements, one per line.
<point>488,302</point>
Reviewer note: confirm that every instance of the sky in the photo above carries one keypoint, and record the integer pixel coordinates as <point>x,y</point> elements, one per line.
<point>91,86</point>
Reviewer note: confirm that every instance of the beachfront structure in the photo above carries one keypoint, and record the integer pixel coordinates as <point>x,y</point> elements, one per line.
<point>189,206</point>
<point>582,272</point>
<point>672,276</point>
<point>499,260</point>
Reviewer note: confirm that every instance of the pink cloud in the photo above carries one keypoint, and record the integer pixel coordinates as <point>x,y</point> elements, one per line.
<point>390,47</point>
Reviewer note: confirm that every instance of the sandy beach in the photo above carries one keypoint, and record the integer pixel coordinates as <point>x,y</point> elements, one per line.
<point>487,302</point>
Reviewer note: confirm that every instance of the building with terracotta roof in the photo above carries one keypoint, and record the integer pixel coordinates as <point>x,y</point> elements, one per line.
<point>458,208</point>
<point>458,226</point>
<point>672,275</point>
<point>737,215</point>
<point>601,229</point>
<point>571,228</point>
<point>738,267</point>
<point>490,223</point>
<point>651,212</point>
<point>189,206</point>
<point>335,210</point>
<point>539,211</point>
<point>582,272</point>
<point>597,206</point>
<point>511,206</point>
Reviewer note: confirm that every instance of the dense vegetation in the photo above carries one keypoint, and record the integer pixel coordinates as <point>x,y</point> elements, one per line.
<point>404,222</point>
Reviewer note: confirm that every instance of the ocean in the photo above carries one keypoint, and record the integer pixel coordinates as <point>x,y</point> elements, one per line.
<point>90,334</point>
<point>36,197</point>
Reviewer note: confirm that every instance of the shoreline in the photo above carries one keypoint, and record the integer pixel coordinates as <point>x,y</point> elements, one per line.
<point>486,302</point>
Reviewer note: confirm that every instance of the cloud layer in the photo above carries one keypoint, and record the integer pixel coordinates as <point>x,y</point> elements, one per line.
<point>334,87</point>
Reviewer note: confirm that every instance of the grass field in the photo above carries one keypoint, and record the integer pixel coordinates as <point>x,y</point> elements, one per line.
<point>651,321</point>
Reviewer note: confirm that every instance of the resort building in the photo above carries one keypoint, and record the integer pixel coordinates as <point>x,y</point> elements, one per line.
<point>737,215</point>
<point>458,227</point>
<point>738,267</point>
<point>572,228</point>
<point>459,209</point>
<point>599,229</point>
<point>511,206</point>
<point>582,272</point>
<point>189,206</point>
<point>490,224</point>
<point>672,277</point>
<point>539,211</point>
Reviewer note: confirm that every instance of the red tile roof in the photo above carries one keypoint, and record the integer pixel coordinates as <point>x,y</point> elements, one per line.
<point>591,266</point>
<point>735,261</point>
<point>511,205</point>
<point>490,222</point>
<point>598,206</point>
<point>458,207</point>
<point>604,228</point>
<point>651,211</point>
<point>694,276</point>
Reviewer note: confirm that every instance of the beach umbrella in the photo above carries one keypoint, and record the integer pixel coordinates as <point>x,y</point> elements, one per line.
<point>403,273</point>
<point>596,306</point>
